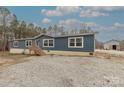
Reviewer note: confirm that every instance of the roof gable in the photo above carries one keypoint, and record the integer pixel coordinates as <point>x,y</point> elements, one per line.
<point>112,41</point>
<point>42,35</point>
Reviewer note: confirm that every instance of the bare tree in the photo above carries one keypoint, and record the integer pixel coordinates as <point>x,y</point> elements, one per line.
<point>61,30</point>
<point>4,12</point>
<point>22,30</point>
<point>55,28</point>
<point>14,27</point>
<point>50,30</point>
<point>44,31</point>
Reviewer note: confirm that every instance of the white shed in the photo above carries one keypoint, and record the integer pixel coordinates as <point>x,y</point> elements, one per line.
<point>112,45</point>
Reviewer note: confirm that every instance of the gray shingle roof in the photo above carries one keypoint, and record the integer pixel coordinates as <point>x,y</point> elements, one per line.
<point>55,36</point>
<point>112,40</point>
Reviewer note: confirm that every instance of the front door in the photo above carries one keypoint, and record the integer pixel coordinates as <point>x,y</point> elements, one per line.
<point>114,47</point>
<point>38,43</point>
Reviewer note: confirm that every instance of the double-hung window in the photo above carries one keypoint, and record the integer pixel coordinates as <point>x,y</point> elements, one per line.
<point>75,42</point>
<point>15,43</point>
<point>48,42</point>
<point>28,43</point>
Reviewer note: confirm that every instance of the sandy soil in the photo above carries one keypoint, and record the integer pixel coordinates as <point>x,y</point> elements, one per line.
<point>8,59</point>
<point>111,52</point>
<point>63,71</point>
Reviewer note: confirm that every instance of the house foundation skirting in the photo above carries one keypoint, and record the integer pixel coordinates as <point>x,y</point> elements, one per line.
<point>67,53</point>
<point>19,51</point>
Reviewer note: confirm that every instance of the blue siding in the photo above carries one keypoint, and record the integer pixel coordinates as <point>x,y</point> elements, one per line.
<point>61,43</point>
<point>21,44</point>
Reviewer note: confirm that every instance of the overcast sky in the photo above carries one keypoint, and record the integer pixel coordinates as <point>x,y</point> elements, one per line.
<point>108,21</point>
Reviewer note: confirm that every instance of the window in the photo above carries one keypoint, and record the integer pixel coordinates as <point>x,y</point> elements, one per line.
<point>28,43</point>
<point>15,44</point>
<point>72,42</point>
<point>48,42</point>
<point>78,41</point>
<point>75,42</point>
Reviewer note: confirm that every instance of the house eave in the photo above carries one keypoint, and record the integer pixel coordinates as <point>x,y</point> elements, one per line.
<point>52,36</point>
<point>75,35</point>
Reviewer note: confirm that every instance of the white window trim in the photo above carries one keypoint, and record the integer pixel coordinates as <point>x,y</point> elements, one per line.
<point>75,42</point>
<point>17,44</point>
<point>28,43</point>
<point>48,43</point>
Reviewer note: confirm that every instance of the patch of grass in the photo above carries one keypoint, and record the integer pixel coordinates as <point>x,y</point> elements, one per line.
<point>12,59</point>
<point>7,54</point>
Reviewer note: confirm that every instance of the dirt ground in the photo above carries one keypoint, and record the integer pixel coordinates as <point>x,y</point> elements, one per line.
<point>7,59</point>
<point>61,71</point>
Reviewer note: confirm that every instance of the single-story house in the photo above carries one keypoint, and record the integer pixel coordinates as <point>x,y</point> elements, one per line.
<point>78,43</point>
<point>112,45</point>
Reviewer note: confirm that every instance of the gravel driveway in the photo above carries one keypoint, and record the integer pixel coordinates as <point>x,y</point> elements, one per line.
<point>63,71</point>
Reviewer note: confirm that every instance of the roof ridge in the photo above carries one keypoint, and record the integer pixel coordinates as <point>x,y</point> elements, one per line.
<point>55,36</point>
